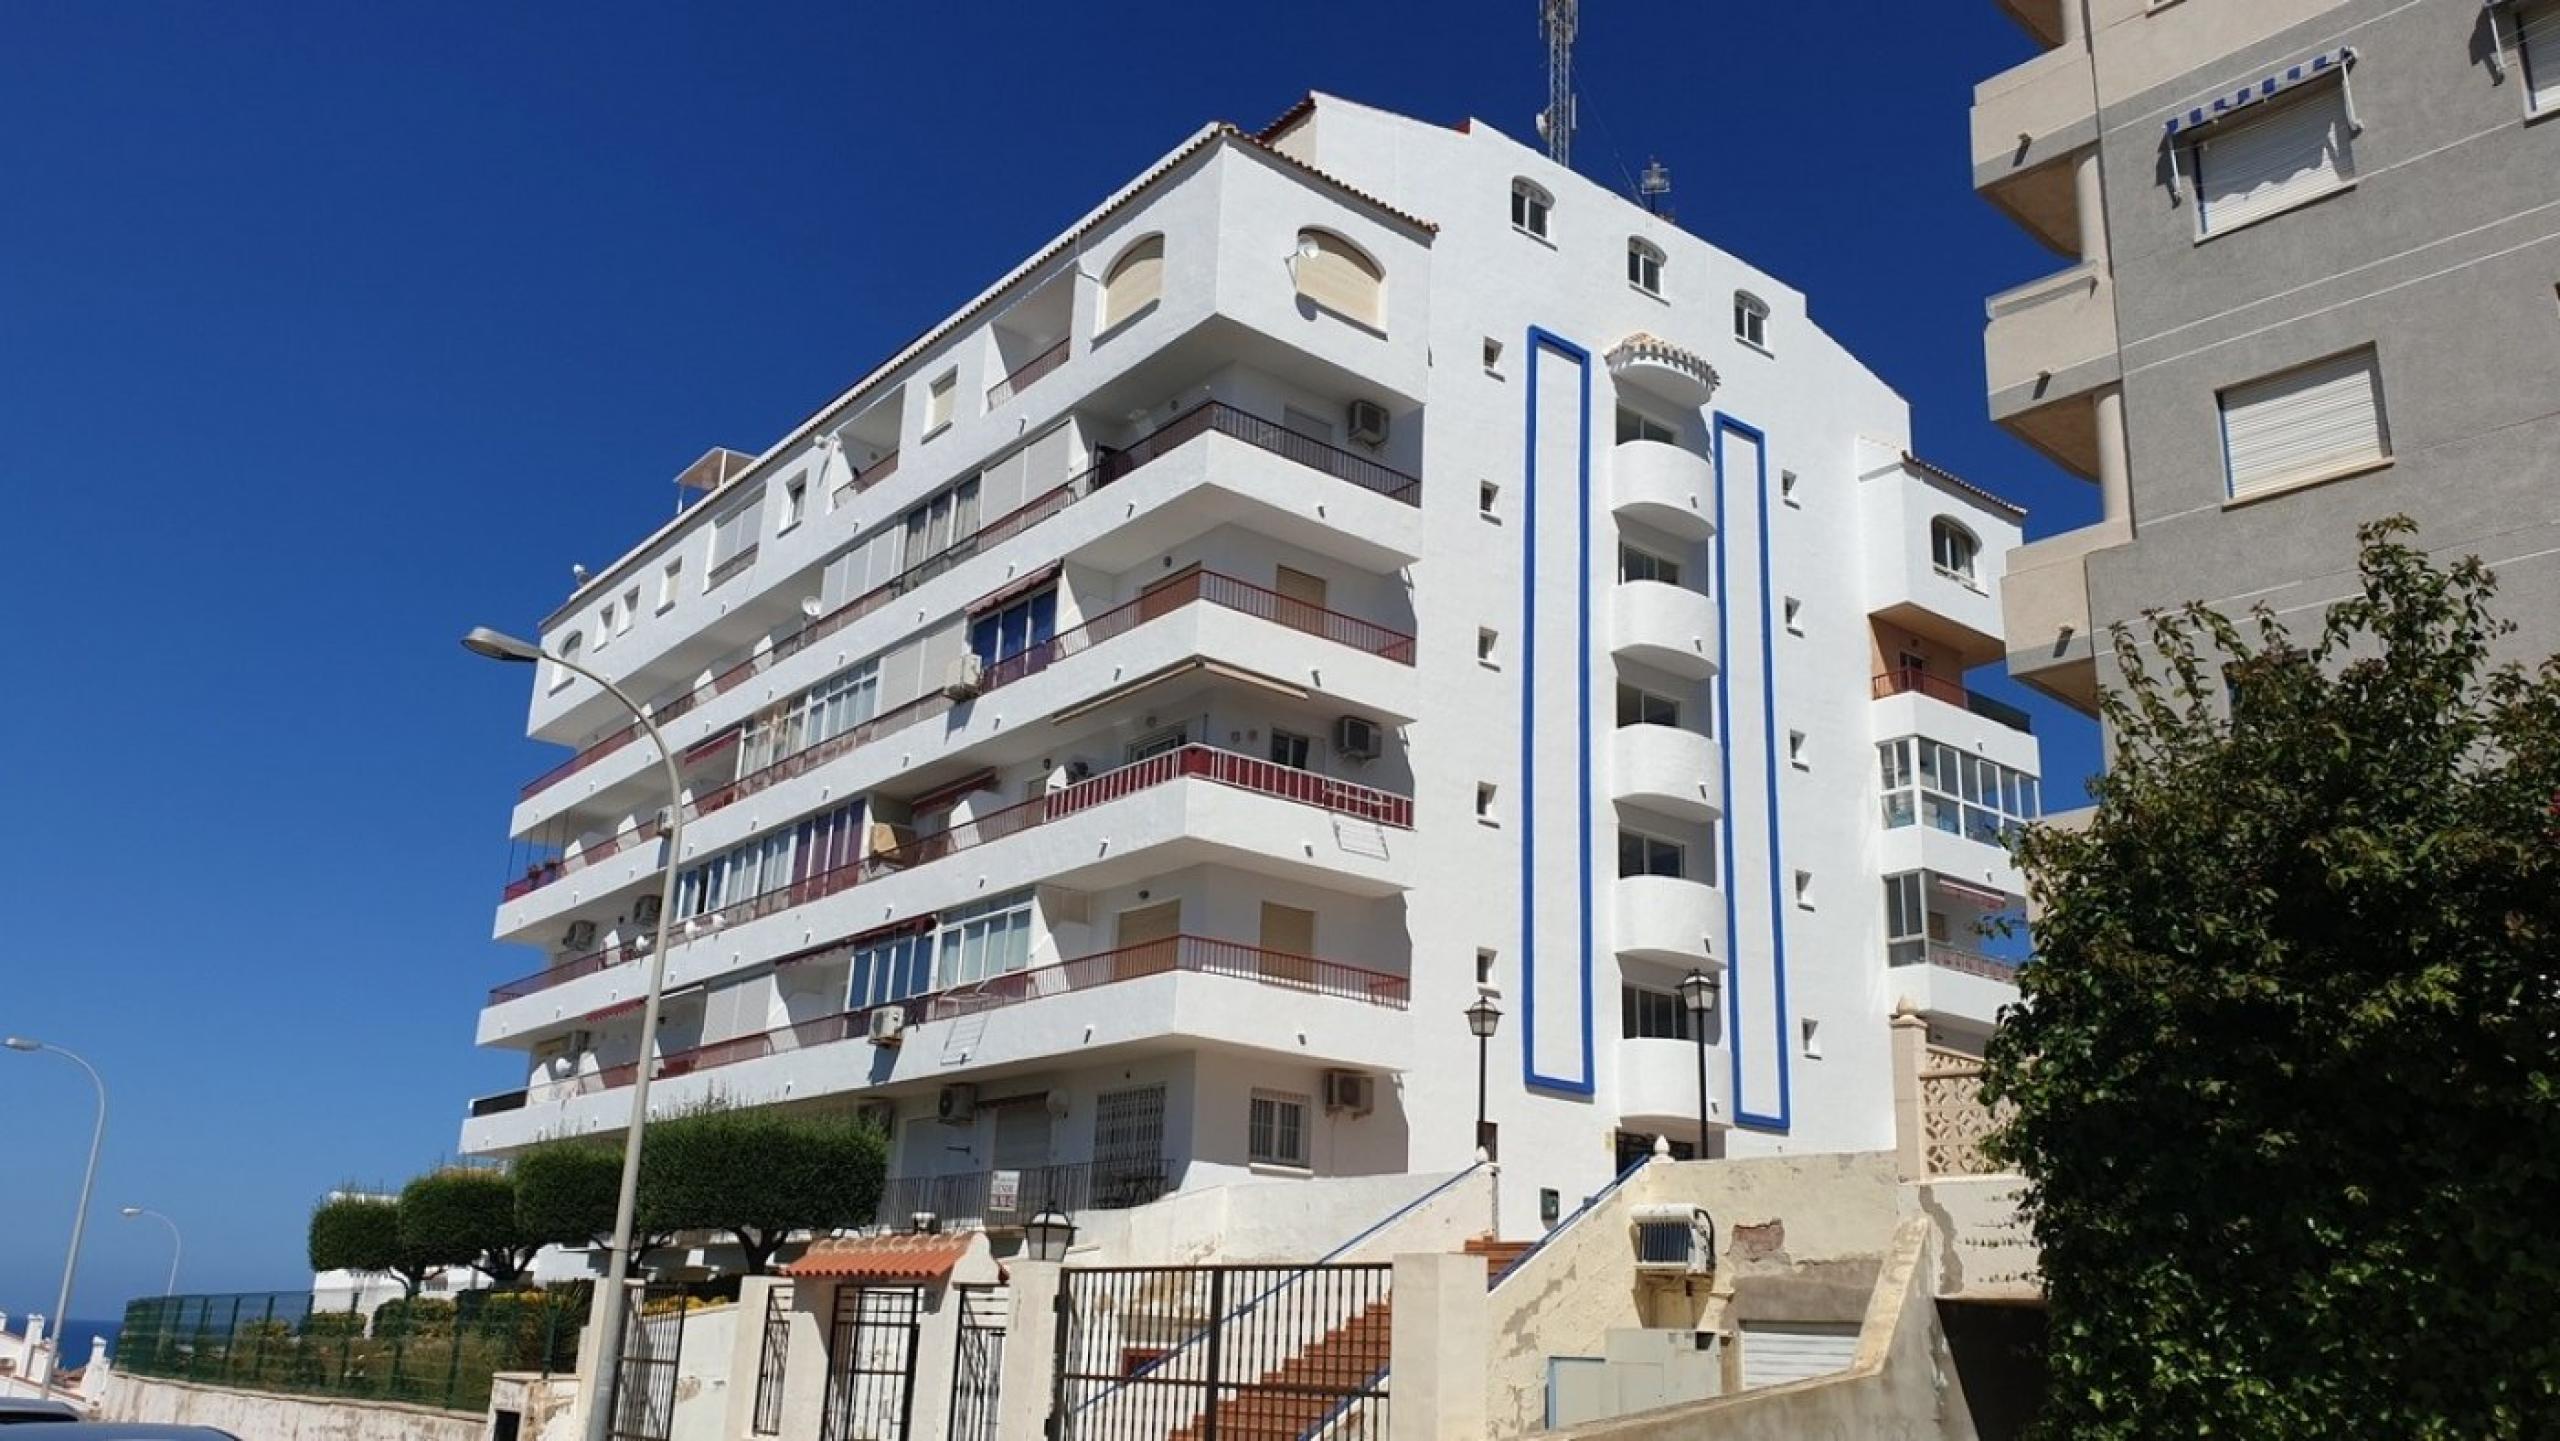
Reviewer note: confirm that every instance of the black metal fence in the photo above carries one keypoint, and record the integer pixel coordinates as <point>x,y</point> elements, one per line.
<point>871,1363</point>
<point>773,1361</point>
<point>1145,1353</point>
<point>977,1362</point>
<point>1011,1198</point>
<point>428,1352</point>
<point>644,1394</point>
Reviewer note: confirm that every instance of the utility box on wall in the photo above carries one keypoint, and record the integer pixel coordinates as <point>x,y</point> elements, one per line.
<point>1639,1370</point>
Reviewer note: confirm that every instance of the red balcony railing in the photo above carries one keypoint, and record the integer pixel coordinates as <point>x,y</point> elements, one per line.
<point>1904,679</point>
<point>1109,465</point>
<point>1187,955</point>
<point>1028,371</point>
<point>1197,586</point>
<point>1194,762</point>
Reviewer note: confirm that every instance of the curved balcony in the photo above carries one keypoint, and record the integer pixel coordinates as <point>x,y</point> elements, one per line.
<point>1655,483</point>
<point>1664,768</point>
<point>1658,1084</point>
<point>1667,627</point>
<point>1676,374</point>
<point>1667,919</point>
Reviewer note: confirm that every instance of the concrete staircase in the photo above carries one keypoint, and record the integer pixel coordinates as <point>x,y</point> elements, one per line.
<point>1295,1399</point>
<point>1498,1255</point>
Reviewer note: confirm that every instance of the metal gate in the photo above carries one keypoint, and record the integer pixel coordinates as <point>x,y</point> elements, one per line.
<point>871,1363</point>
<point>977,1364</point>
<point>773,1358</point>
<point>644,1399</point>
<point>1159,1352</point>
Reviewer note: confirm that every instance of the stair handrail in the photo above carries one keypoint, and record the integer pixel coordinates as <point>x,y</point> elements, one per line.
<point>1293,1278</point>
<point>1589,1204</point>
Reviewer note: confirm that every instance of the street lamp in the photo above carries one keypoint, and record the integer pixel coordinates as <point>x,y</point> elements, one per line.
<point>1483,1018</point>
<point>88,1180</point>
<point>1697,997</point>
<point>615,1302</point>
<point>1049,1234</point>
<point>177,1243</point>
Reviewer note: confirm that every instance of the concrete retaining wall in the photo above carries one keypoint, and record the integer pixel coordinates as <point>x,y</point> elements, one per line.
<point>257,1416</point>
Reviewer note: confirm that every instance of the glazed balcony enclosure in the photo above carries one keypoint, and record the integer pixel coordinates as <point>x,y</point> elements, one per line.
<point>1945,955</point>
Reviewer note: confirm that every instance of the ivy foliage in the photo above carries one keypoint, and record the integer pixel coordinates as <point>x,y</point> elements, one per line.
<point>761,1174</point>
<point>2284,1073</point>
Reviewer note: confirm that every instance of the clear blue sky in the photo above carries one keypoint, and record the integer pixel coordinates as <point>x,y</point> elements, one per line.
<point>327,330</point>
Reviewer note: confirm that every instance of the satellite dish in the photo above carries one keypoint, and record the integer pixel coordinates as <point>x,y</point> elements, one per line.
<point>811,607</point>
<point>1307,247</point>
<point>578,573</point>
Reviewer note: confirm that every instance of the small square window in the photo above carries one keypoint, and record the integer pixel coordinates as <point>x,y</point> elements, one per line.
<point>670,583</point>
<point>608,625</point>
<point>1787,488</point>
<point>795,504</point>
<point>1276,1129</point>
<point>1795,751</point>
<point>938,399</point>
<point>1488,496</point>
<point>1795,616</point>
<point>1484,967</point>
<point>1486,640</point>
<point>1804,890</point>
<point>1484,803</point>
<point>630,608</point>
<point>1493,355</point>
<point>1812,1040</point>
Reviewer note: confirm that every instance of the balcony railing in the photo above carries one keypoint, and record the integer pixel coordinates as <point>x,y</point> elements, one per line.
<point>1109,465</point>
<point>876,472</point>
<point>1951,958</point>
<point>974,1198</point>
<point>1906,679</point>
<point>1185,955</point>
<point>1019,380</point>
<point>1204,587</point>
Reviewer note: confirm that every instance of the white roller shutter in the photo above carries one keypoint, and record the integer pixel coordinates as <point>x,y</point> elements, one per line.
<point>1774,1353</point>
<point>2290,151</point>
<point>2538,39</point>
<point>2314,421</point>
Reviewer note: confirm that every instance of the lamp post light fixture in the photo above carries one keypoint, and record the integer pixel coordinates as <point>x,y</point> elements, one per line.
<point>1698,996</point>
<point>1049,1234</point>
<point>613,1302</point>
<point>177,1243</point>
<point>88,1182</point>
<point>1483,1018</point>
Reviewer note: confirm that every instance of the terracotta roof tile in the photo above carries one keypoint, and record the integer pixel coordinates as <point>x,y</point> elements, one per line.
<point>883,1258</point>
<point>2016,510</point>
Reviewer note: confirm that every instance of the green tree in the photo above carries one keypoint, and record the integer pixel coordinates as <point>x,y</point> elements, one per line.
<point>2285,1078</point>
<point>760,1175</point>
<point>356,1232</point>
<point>566,1192</point>
<point>466,1216</point>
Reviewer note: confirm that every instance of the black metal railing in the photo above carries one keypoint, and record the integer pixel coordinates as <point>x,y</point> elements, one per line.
<point>1155,1351</point>
<point>1954,692</point>
<point>1000,1198</point>
<point>772,1361</point>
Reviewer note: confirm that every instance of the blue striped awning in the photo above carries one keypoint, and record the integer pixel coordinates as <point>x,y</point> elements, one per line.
<point>2298,73</point>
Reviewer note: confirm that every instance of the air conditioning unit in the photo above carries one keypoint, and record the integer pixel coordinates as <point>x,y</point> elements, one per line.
<point>1353,1091</point>
<point>1356,738</point>
<point>644,911</point>
<point>964,677</point>
<point>956,1105</point>
<point>1368,422</point>
<point>581,937</point>
<point>889,1026</point>
<point>1675,1240</point>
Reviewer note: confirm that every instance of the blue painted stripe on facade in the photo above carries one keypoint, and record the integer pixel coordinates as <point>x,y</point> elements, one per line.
<point>1783,1118</point>
<point>1539,342</point>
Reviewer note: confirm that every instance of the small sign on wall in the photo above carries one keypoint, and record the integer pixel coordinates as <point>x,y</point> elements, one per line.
<point>1004,1191</point>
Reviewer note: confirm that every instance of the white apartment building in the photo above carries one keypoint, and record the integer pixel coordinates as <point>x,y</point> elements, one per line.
<point>1357,567</point>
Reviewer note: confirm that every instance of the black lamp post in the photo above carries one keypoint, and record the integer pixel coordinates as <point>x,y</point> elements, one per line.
<point>1483,1018</point>
<point>1049,1234</point>
<point>1697,997</point>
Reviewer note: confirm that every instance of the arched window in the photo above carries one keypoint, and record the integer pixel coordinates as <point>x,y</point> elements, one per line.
<point>1644,266</point>
<point>1134,281</point>
<point>1335,274</point>
<point>1750,319</point>
<point>1530,207</point>
<point>1953,550</point>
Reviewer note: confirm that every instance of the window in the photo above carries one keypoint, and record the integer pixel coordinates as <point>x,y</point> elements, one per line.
<point>630,608</point>
<point>1644,267</point>
<point>1812,1031</point>
<point>1645,1014</point>
<point>1952,550</point>
<point>1276,1130</point>
<point>770,862</point>
<point>1643,708</point>
<point>1906,920</point>
<point>1795,751</point>
<point>1804,890</point>
<point>608,624</point>
<point>1290,749</point>
<point>1001,634</point>
<point>1493,355</point>
<point>1635,425</point>
<point>1930,783</point>
<point>985,939</point>
<point>570,644</point>
<point>891,968</point>
<point>2291,152</point>
<point>1333,274</point>
<point>1485,642</point>
<point>1787,488</point>
<point>1530,207</point>
<point>1484,803</point>
<point>813,717</point>
<point>938,401</point>
<point>942,524</point>
<point>2538,42</point>
<point>1635,564</point>
<point>2313,423</point>
<point>733,537</point>
<point>1488,495</point>
<point>1751,320</point>
<point>795,504</point>
<point>1484,967</point>
<point>1643,855</point>
<point>1134,283</point>
<point>1794,611</point>
<point>670,583</point>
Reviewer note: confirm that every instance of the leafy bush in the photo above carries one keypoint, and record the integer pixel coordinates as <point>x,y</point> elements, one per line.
<point>414,1316</point>
<point>333,1323</point>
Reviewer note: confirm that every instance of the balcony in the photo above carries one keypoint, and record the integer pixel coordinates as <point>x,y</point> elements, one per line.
<point>1668,919</point>
<point>1220,768</point>
<point>1198,587</point>
<point>2049,342</point>
<point>1948,982</point>
<point>1657,1084</point>
<point>2052,645</point>
<point>1180,991</point>
<point>1210,417</point>
<point>1666,769</point>
<point>973,1199</point>
<point>2029,122</point>
<point>1668,627</point>
<point>1019,379</point>
<point>1951,692</point>
<point>1661,485</point>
